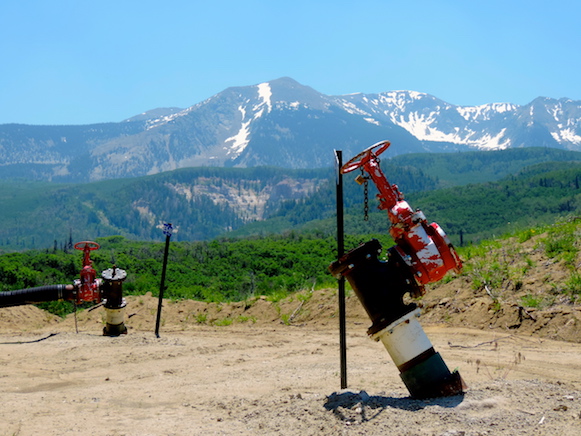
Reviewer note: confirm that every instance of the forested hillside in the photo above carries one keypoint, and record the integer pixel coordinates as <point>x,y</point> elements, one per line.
<point>201,202</point>
<point>539,194</point>
<point>204,203</point>
<point>454,169</point>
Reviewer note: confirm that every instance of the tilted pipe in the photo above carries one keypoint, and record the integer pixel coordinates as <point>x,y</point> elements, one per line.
<point>380,286</point>
<point>423,254</point>
<point>39,294</point>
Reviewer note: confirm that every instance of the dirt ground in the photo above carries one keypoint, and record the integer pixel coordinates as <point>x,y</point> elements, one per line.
<point>264,368</point>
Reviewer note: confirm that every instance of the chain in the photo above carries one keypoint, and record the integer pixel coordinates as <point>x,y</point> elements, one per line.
<point>365,197</point>
<point>366,189</point>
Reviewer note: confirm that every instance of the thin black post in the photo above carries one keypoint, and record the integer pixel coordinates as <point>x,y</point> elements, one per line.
<point>341,281</point>
<point>167,228</point>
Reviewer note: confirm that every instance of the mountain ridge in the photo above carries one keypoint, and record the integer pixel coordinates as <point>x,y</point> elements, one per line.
<point>280,123</point>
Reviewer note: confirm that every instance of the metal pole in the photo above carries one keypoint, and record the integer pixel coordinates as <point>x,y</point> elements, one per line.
<point>167,228</point>
<point>341,281</point>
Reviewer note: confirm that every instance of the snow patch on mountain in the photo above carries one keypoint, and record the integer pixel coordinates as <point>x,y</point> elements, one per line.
<point>241,139</point>
<point>353,109</point>
<point>400,99</point>
<point>420,125</point>
<point>265,93</point>
<point>492,142</point>
<point>567,135</point>
<point>484,112</point>
<point>156,122</point>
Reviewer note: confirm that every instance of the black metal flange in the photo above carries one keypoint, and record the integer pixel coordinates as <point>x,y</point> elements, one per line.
<point>380,285</point>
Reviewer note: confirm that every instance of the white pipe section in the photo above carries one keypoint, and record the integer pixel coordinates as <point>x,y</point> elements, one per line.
<point>115,316</point>
<point>404,339</point>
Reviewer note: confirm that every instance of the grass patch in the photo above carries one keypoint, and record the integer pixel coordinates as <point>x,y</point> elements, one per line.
<point>531,301</point>
<point>223,322</point>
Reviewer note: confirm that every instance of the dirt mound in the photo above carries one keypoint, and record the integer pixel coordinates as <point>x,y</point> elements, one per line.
<point>317,308</point>
<point>513,287</point>
<point>25,318</point>
<point>452,305</point>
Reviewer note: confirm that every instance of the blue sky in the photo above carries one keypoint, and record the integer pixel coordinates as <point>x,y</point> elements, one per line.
<point>81,62</point>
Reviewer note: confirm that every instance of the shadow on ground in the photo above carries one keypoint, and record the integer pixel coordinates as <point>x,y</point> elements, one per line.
<point>361,407</point>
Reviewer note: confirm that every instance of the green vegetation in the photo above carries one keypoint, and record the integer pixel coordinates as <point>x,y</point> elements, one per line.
<point>216,271</point>
<point>536,302</point>
<point>456,169</point>
<point>562,244</point>
<point>500,267</point>
<point>223,270</point>
<point>278,266</point>
<point>471,213</point>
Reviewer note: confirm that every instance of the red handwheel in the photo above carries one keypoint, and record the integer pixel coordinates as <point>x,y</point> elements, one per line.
<point>364,157</point>
<point>87,245</point>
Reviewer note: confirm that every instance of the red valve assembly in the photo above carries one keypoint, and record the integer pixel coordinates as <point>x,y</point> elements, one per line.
<point>422,254</point>
<point>88,288</point>
<point>425,248</point>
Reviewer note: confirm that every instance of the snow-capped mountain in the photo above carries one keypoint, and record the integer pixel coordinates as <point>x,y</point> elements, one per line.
<point>490,127</point>
<point>280,123</point>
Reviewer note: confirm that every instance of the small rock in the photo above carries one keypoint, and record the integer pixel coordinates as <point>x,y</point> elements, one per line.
<point>454,433</point>
<point>364,396</point>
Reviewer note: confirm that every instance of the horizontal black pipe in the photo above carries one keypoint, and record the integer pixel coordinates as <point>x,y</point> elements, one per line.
<point>35,295</point>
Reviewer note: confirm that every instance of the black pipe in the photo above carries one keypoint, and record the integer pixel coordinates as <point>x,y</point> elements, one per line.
<point>35,295</point>
<point>167,231</point>
<point>341,280</point>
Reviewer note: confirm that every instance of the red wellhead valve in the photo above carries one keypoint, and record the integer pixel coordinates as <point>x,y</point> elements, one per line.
<point>422,254</point>
<point>88,286</point>
<point>425,248</point>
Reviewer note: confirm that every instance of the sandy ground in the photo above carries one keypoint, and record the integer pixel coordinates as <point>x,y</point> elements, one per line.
<point>262,378</point>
